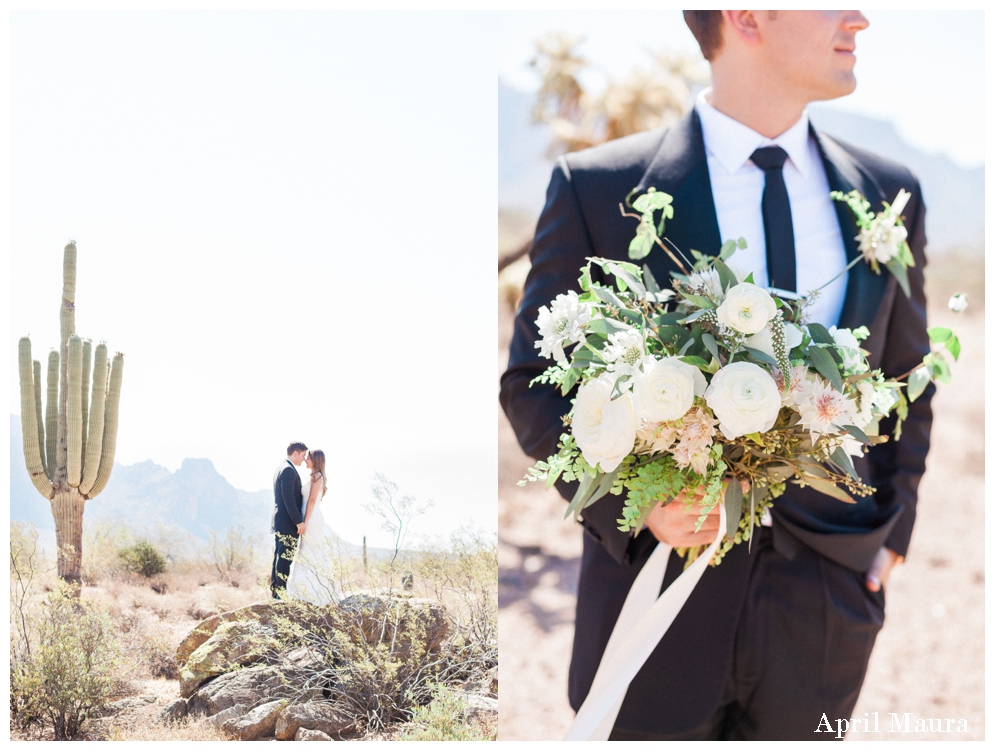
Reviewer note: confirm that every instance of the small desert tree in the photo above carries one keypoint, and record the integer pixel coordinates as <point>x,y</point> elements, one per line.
<point>394,510</point>
<point>69,450</point>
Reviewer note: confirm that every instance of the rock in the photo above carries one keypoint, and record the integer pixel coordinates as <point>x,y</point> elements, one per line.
<point>259,723</point>
<point>492,676</point>
<point>312,716</point>
<point>175,711</point>
<point>303,734</point>
<point>232,713</point>
<point>480,707</point>
<point>233,644</point>
<point>249,686</point>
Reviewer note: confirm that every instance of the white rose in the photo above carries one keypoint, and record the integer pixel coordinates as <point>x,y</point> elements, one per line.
<point>666,389</point>
<point>605,430</point>
<point>849,347</point>
<point>763,342</point>
<point>745,399</point>
<point>747,308</point>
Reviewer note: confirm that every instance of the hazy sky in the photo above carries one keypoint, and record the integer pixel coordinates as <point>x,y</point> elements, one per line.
<point>899,56</point>
<point>286,222</point>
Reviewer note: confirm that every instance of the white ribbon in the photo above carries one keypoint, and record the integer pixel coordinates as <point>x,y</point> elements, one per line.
<point>645,618</point>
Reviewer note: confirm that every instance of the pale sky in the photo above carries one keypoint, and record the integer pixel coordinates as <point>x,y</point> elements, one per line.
<point>923,70</point>
<point>286,222</point>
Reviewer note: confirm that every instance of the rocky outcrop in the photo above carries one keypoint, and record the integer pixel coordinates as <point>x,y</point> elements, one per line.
<point>312,735</point>
<point>256,724</point>
<point>249,687</point>
<point>313,716</point>
<point>175,711</point>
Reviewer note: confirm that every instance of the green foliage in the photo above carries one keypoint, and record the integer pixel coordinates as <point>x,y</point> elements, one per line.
<point>231,554</point>
<point>444,719</point>
<point>69,675</point>
<point>143,559</point>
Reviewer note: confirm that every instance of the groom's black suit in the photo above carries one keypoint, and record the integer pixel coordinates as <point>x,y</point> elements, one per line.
<point>780,635</point>
<point>287,495</point>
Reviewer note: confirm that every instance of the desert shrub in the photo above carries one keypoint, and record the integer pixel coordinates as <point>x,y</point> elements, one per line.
<point>444,719</point>
<point>142,558</point>
<point>69,674</point>
<point>231,554</point>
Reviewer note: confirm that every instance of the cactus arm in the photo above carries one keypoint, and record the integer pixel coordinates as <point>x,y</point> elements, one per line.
<point>29,418</point>
<point>52,413</point>
<point>74,413</point>
<point>85,394</point>
<point>91,462</point>
<point>110,426</point>
<point>39,415</point>
<point>67,327</point>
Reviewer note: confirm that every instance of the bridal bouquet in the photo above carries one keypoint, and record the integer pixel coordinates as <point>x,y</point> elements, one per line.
<point>716,379</point>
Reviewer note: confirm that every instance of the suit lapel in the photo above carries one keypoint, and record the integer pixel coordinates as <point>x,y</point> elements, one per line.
<point>865,289</point>
<point>680,168</point>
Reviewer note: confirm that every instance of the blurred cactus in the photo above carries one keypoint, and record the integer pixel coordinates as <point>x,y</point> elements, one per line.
<point>69,451</point>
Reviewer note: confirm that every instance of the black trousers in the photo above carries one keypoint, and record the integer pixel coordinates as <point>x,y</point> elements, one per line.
<point>801,647</point>
<point>283,555</point>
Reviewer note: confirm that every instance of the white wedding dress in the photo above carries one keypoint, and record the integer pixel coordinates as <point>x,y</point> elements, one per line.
<point>312,574</point>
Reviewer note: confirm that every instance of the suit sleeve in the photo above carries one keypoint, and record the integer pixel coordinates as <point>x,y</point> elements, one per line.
<point>561,245</point>
<point>898,466</point>
<point>290,495</point>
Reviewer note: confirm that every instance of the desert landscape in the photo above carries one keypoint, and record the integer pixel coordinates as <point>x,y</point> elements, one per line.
<point>929,657</point>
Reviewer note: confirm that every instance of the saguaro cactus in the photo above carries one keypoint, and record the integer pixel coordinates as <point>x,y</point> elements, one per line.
<point>69,449</point>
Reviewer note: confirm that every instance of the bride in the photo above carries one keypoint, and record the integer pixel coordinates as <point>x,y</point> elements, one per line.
<point>311,572</point>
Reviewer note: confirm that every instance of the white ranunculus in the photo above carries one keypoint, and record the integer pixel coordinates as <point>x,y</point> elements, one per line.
<point>849,348</point>
<point>747,308</point>
<point>763,342</point>
<point>562,325</point>
<point>666,389</point>
<point>745,399</point>
<point>605,430</point>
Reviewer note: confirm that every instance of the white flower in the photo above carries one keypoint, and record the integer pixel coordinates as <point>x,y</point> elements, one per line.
<point>883,239</point>
<point>852,446</point>
<point>763,342</point>
<point>709,281</point>
<point>865,400</point>
<point>958,303</point>
<point>885,397</point>
<point>898,206</point>
<point>654,437</point>
<point>562,325</point>
<point>849,348</point>
<point>624,352</point>
<point>824,410</point>
<point>800,376</point>
<point>745,398</point>
<point>747,308</point>
<point>605,430</point>
<point>666,389</point>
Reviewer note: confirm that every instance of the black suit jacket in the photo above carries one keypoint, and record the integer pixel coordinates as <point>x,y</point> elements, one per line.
<point>287,494</point>
<point>581,219</point>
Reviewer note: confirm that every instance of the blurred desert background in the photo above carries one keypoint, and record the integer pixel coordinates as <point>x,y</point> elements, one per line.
<point>929,657</point>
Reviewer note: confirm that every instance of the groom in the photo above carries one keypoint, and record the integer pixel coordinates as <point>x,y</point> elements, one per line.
<point>288,520</point>
<point>781,632</point>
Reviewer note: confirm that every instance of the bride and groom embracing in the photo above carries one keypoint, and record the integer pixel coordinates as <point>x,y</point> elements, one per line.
<point>300,568</point>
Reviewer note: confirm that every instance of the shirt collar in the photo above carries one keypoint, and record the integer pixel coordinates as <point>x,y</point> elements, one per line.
<point>731,142</point>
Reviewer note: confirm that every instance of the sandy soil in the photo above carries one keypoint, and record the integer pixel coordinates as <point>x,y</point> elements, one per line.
<point>929,658</point>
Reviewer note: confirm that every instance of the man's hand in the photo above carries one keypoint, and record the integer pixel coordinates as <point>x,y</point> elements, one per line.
<point>301,527</point>
<point>881,568</point>
<point>674,524</point>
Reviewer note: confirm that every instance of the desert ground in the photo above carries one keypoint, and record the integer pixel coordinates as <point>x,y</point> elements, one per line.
<point>929,657</point>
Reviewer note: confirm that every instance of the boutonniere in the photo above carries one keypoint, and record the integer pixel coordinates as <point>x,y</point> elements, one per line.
<point>883,237</point>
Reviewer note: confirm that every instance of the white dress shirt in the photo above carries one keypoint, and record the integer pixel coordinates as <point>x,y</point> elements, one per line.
<point>738,186</point>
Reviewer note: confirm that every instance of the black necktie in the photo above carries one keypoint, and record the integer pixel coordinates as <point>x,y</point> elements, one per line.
<point>776,209</point>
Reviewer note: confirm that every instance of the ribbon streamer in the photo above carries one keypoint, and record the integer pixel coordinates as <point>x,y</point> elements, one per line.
<point>645,618</point>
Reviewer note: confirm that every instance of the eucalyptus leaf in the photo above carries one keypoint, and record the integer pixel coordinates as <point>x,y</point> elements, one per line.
<point>897,268</point>
<point>939,334</point>
<point>583,493</point>
<point>825,364</point>
<point>820,334</point>
<point>726,277</point>
<point>709,341</point>
<point>734,506</point>
<point>918,380</point>
<point>603,487</point>
<point>698,362</point>
<point>843,461</point>
<point>829,488</point>
<point>649,280</point>
<point>727,249</point>
<point>762,356</point>
<point>604,326</point>
<point>857,433</point>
